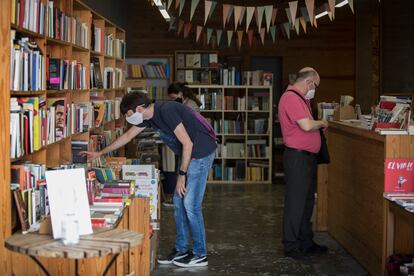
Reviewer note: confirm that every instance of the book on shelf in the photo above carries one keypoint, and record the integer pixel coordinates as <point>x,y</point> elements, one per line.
<point>216,124</point>
<point>234,103</point>
<point>96,73</point>
<point>109,45</point>
<point>230,76</point>
<point>29,14</point>
<point>157,92</point>
<point>57,123</point>
<point>257,174</point>
<point>28,125</point>
<point>98,40</point>
<point>234,126</point>
<point>211,100</point>
<point>398,176</point>
<point>257,148</point>
<point>236,173</point>
<point>119,48</point>
<point>257,126</point>
<point>113,78</point>
<point>27,65</point>
<point>80,33</point>
<point>77,147</point>
<point>215,172</point>
<point>258,101</point>
<point>233,150</point>
<point>149,70</point>
<point>64,74</point>
<point>58,23</point>
<point>257,78</point>
<point>116,163</point>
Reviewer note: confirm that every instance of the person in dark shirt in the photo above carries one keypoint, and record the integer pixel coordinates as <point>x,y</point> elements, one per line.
<point>189,135</point>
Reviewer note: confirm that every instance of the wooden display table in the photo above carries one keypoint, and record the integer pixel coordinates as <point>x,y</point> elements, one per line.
<point>351,203</point>
<point>111,242</point>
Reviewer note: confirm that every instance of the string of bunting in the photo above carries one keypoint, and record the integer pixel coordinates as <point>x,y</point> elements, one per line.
<point>297,19</point>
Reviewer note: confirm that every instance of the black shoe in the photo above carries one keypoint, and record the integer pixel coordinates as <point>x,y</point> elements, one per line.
<point>192,261</point>
<point>316,249</point>
<point>175,255</point>
<point>296,254</point>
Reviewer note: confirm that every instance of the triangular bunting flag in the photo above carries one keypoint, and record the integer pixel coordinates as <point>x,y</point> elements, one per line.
<point>287,29</point>
<point>177,4</point>
<point>180,26</point>
<point>303,23</point>
<point>219,33</point>
<point>268,13</point>
<point>315,23</point>
<point>207,8</point>
<point>289,16</point>
<point>332,7</point>
<point>297,26</point>
<point>262,34</point>
<point>310,7</point>
<point>293,7</point>
<point>209,33</point>
<point>259,17</point>
<point>187,29</point>
<point>213,6</point>
<point>274,16</point>
<point>225,13</point>
<point>282,29</point>
<point>231,9</point>
<point>182,3</point>
<point>250,37</point>
<point>229,37</point>
<point>305,15</point>
<point>239,38</point>
<point>249,16</point>
<point>169,4</point>
<point>237,13</point>
<point>242,13</point>
<point>194,4</point>
<point>199,29</point>
<point>351,5</point>
<point>273,33</point>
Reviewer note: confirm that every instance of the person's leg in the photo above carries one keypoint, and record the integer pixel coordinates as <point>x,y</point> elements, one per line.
<point>196,184</point>
<point>296,166</point>
<point>306,232</point>
<point>181,224</point>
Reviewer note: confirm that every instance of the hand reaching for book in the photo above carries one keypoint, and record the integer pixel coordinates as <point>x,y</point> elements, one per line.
<point>92,155</point>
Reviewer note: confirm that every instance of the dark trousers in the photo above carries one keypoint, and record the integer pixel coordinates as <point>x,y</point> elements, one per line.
<point>300,177</point>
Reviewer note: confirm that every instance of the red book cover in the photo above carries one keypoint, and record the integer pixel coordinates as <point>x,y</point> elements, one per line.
<point>117,190</point>
<point>399,175</point>
<point>109,199</point>
<point>22,11</point>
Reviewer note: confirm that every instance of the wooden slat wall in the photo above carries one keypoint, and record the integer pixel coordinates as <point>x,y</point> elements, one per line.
<point>5,215</point>
<point>330,48</point>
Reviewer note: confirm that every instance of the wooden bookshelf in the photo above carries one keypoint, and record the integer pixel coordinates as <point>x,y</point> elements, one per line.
<point>59,152</point>
<point>220,111</point>
<point>155,83</point>
<point>191,70</point>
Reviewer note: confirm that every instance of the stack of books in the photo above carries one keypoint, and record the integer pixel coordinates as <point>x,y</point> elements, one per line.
<point>80,33</point>
<point>119,48</point>
<point>29,14</point>
<point>58,23</point>
<point>64,74</point>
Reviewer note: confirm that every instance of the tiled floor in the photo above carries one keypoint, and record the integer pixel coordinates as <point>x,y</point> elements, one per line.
<point>243,228</point>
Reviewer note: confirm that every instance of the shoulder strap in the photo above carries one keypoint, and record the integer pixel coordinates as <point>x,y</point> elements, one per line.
<point>300,96</point>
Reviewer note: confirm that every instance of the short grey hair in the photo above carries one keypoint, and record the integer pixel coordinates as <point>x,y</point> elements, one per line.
<point>305,74</point>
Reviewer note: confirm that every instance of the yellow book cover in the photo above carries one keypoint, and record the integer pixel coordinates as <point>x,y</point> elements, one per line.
<point>36,125</point>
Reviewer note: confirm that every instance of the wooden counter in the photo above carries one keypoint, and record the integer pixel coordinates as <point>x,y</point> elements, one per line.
<point>351,199</point>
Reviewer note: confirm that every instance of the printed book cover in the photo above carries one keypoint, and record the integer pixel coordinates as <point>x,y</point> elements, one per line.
<point>399,175</point>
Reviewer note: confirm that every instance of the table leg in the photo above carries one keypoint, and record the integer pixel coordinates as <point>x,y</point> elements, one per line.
<point>40,265</point>
<point>110,264</point>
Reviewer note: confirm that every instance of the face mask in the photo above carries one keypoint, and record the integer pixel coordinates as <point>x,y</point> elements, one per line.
<point>135,119</point>
<point>310,95</point>
<point>179,100</point>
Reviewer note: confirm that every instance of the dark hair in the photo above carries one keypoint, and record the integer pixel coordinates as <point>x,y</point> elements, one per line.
<point>59,102</point>
<point>177,87</point>
<point>131,100</point>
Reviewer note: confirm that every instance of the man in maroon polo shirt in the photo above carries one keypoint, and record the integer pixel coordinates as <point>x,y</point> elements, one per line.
<point>302,143</point>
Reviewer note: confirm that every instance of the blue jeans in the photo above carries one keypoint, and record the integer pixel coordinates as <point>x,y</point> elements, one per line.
<point>187,210</point>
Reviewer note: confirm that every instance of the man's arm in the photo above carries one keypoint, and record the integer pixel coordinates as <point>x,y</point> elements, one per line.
<point>307,124</point>
<point>182,136</point>
<point>122,140</point>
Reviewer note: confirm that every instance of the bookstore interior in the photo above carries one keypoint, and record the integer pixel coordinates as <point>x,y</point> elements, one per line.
<point>123,123</point>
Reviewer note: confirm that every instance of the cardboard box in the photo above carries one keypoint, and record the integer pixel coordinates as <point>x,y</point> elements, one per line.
<point>346,112</point>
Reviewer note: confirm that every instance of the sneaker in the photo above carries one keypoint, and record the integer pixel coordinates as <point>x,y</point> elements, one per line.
<point>175,255</point>
<point>191,261</point>
<point>296,254</point>
<point>316,249</point>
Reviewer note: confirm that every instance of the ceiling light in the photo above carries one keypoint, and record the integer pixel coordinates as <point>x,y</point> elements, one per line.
<point>321,14</point>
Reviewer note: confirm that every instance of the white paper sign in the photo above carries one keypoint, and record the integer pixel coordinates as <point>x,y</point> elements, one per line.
<point>67,194</point>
